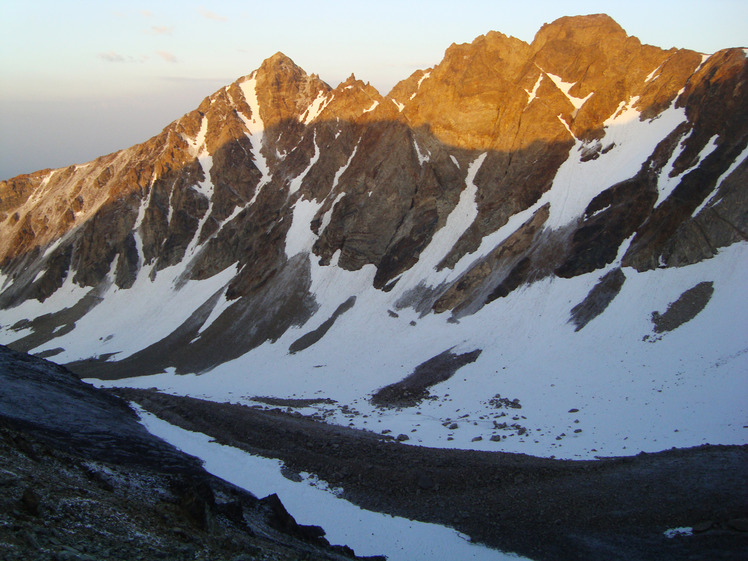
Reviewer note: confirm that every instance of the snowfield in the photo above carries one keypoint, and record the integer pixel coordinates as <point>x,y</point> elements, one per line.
<point>633,390</point>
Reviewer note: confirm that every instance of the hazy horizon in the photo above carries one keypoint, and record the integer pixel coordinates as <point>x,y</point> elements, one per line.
<point>85,79</point>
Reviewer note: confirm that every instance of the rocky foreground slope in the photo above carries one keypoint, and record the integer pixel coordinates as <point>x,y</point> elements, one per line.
<point>82,479</point>
<point>562,222</point>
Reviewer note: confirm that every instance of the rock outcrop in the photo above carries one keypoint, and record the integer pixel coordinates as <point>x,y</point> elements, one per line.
<point>82,479</point>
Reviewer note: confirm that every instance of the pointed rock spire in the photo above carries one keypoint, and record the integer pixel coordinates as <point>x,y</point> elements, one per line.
<point>284,89</point>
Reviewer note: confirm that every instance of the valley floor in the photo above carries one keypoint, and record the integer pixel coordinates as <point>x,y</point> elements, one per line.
<point>616,508</point>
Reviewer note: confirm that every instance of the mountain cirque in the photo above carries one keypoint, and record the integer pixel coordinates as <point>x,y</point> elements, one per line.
<point>534,248</point>
<point>504,165</point>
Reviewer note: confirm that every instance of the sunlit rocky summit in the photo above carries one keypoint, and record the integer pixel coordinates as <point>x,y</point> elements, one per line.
<point>558,226</point>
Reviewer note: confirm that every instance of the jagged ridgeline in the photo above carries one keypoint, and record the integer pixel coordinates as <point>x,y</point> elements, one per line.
<point>280,204</point>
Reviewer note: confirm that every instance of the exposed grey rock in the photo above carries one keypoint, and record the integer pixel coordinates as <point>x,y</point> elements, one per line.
<point>684,309</point>
<point>598,299</point>
<point>413,389</point>
<point>308,339</point>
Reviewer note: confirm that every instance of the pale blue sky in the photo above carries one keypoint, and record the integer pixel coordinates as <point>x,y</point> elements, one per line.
<point>83,78</point>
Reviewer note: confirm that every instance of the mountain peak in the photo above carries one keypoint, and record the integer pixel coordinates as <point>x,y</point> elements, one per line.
<point>582,30</point>
<point>279,55</point>
<point>284,89</point>
<point>599,22</point>
<point>279,62</point>
<point>351,80</point>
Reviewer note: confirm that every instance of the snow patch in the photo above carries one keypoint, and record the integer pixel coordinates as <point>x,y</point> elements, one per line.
<point>205,187</point>
<point>666,184</point>
<point>344,167</point>
<point>373,106</point>
<point>255,130</point>
<point>52,247</point>
<point>312,501</point>
<point>158,311</point>
<point>295,184</point>
<point>327,217</point>
<point>491,241</point>
<point>624,113</point>
<point>423,157</point>
<point>221,306</point>
<point>400,106</point>
<point>653,75</point>
<point>577,102</point>
<point>420,81</point>
<point>315,108</point>
<point>711,198</point>
<point>144,204</point>
<point>196,145</point>
<point>300,237</point>
<point>676,532</point>
<point>533,94</point>
<point>578,182</point>
<point>64,297</point>
<point>560,117</point>
<point>459,220</point>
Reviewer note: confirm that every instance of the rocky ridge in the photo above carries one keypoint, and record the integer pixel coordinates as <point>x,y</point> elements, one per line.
<point>218,187</point>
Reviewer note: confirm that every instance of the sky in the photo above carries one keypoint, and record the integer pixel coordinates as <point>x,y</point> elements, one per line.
<point>80,79</point>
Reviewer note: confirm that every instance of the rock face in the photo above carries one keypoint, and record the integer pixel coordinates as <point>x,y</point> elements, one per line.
<point>543,159</point>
